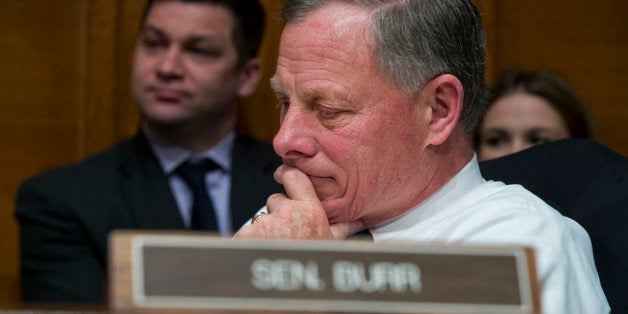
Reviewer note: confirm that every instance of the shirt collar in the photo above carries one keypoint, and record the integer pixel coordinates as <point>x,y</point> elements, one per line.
<point>464,181</point>
<point>171,156</point>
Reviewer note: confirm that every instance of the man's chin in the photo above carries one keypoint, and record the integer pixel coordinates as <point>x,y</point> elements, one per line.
<point>166,120</point>
<point>335,210</point>
<point>327,188</point>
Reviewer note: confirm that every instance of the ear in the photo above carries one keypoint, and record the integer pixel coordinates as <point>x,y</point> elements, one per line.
<point>444,98</point>
<point>250,75</point>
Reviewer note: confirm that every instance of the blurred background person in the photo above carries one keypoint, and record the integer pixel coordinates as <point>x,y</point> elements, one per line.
<point>527,108</point>
<point>193,61</point>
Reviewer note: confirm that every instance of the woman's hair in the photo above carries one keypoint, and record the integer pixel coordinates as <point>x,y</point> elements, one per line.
<point>551,87</point>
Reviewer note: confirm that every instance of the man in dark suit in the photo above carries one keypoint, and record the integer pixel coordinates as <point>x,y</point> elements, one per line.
<point>193,59</point>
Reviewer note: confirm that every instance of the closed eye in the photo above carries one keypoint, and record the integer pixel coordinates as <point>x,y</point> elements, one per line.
<point>328,114</point>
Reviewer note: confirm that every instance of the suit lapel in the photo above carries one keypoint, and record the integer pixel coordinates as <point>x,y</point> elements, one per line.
<point>145,189</point>
<point>252,178</point>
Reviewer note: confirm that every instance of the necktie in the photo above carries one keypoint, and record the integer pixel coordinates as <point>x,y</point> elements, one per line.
<point>203,216</point>
<point>362,235</point>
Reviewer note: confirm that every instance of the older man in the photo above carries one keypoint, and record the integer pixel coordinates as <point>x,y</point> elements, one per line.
<point>379,99</point>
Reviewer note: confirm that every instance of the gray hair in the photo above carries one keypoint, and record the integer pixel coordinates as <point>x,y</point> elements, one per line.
<point>418,40</point>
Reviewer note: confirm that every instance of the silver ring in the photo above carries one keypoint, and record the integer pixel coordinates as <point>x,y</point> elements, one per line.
<point>257,215</point>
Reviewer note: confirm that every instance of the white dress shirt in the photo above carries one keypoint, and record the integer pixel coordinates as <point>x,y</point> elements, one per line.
<point>469,209</point>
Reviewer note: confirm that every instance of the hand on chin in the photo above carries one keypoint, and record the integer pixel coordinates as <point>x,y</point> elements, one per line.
<point>296,215</point>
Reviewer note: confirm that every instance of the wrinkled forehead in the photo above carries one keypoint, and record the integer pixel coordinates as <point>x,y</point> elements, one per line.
<point>334,33</point>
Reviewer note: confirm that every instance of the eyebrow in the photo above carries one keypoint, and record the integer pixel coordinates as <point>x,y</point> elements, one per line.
<point>276,87</point>
<point>316,94</point>
<point>325,94</point>
<point>149,28</point>
<point>193,38</point>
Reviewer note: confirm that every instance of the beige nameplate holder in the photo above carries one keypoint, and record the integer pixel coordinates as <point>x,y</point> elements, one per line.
<point>190,272</point>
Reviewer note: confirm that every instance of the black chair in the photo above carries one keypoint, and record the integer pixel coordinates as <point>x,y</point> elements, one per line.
<point>588,183</point>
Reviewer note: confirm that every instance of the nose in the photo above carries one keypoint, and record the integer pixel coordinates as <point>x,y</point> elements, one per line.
<point>295,136</point>
<point>170,65</point>
<point>519,145</point>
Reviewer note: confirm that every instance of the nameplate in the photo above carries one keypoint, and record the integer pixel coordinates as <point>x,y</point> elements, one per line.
<point>181,271</point>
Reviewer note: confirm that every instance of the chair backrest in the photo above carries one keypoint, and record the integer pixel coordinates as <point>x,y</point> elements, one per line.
<point>588,183</point>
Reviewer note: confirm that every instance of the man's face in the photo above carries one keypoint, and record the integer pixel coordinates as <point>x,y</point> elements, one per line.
<point>186,65</point>
<point>343,124</point>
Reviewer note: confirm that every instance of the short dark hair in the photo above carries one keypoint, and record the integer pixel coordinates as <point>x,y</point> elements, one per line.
<point>551,87</point>
<point>248,29</point>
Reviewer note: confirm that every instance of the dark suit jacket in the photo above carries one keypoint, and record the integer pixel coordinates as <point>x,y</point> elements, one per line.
<point>588,183</point>
<point>66,214</point>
